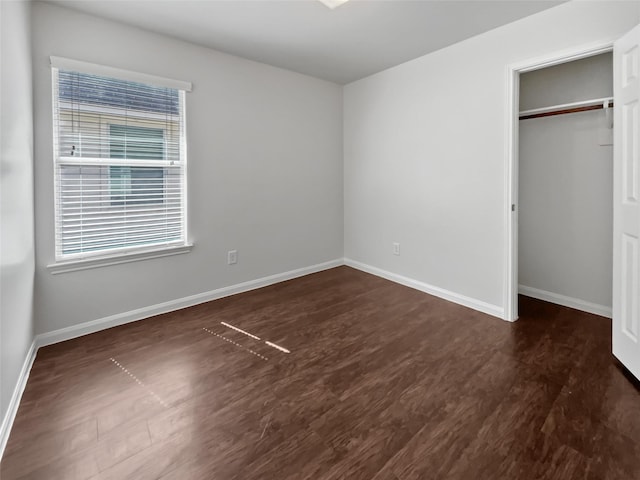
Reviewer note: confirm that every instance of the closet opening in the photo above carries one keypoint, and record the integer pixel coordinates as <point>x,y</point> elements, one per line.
<point>560,195</point>
<point>565,185</point>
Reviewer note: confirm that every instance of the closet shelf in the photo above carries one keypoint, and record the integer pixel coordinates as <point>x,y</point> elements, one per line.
<point>584,106</point>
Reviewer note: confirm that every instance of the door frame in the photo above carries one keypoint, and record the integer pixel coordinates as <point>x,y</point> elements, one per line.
<point>511,170</point>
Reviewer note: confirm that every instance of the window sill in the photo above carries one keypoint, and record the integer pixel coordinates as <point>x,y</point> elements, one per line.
<point>97,262</point>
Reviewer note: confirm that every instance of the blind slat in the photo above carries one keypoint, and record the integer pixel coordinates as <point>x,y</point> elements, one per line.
<point>123,233</point>
<point>118,240</point>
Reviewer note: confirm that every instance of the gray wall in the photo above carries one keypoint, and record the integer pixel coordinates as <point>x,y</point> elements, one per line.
<point>425,150</point>
<point>265,170</point>
<point>557,85</point>
<point>566,185</point>
<point>16,197</point>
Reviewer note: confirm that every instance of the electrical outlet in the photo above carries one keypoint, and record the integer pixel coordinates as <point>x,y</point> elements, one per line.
<point>232,257</point>
<point>396,248</point>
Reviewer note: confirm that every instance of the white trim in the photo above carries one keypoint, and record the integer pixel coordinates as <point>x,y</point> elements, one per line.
<point>510,300</point>
<point>14,403</point>
<point>93,326</point>
<point>96,262</point>
<point>564,56</point>
<point>510,297</point>
<point>571,302</point>
<point>95,69</point>
<point>454,297</point>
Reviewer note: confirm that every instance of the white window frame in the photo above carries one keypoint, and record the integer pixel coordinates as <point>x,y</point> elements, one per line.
<point>68,263</point>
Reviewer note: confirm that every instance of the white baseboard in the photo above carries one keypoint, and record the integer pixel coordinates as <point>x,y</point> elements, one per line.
<point>495,310</point>
<point>563,300</point>
<point>12,410</point>
<point>93,326</point>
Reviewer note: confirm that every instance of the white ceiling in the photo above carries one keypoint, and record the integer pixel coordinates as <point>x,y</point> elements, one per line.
<point>356,39</point>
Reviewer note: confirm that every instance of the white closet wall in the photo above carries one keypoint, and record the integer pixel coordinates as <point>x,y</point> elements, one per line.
<point>584,79</point>
<point>565,190</point>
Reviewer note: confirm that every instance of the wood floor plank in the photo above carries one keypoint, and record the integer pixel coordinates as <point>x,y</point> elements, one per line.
<point>381,382</point>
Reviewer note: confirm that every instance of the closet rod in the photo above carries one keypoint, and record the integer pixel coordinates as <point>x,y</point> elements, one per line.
<point>575,107</point>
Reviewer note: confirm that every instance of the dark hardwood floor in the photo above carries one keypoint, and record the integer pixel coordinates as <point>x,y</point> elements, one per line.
<point>382,382</point>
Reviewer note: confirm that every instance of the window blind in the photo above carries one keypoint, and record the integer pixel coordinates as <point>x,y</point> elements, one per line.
<point>120,165</point>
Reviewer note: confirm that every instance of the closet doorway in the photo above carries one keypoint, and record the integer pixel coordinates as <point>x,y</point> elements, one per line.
<point>556,96</point>
<point>625,296</point>
<point>565,184</point>
<point>512,166</point>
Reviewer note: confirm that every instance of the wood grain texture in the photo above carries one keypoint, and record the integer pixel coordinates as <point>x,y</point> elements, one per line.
<point>383,382</point>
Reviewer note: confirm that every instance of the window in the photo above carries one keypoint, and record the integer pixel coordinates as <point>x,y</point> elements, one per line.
<point>136,185</point>
<point>120,163</point>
